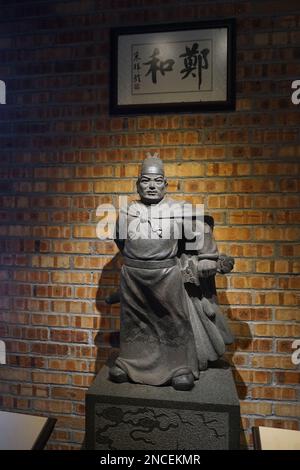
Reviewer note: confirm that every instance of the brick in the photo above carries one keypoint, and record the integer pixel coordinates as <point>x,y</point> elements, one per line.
<point>85,231</point>
<point>284,346</point>
<point>41,391</point>
<point>277,266</point>
<point>50,320</point>
<point>65,447</point>
<point>60,435</point>
<point>68,393</point>
<point>66,187</point>
<point>31,276</point>
<point>277,330</point>
<point>203,153</point>
<point>70,216</point>
<point>234,298</point>
<point>204,186</point>
<point>289,185</point>
<point>68,336</point>
<point>287,378</point>
<point>71,247</point>
<point>276,201</point>
<point>246,250</point>
<point>177,138</point>
<point>91,322</point>
<point>96,171</point>
<point>250,314</point>
<point>287,410</point>
<point>254,282</point>
<point>289,283</point>
<point>52,406</point>
<point>237,360</point>
<point>48,261</point>
<point>15,403</point>
<point>277,298</point>
<point>70,422</point>
<point>240,329</point>
<point>106,186</point>
<point>274,233</point>
<point>90,202</point>
<point>252,185</point>
<point>184,169</point>
<point>252,408</point>
<point>17,346</point>
<point>78,436</point>
<point>92,262</point>
<point>104,247</point>
<point>27,361</point>
<point>228,169</point>
<point>28,333</point>
<point>245,344</point>
<point>53,172</point>
<point>51,378</point>
<point>70,306</point>
<point>232,233</point>
<point>287,314</point>
<point>251,217</point>
<point>52,291</point>
<point>71,277</point>
<point>229,201</point>
<point>272,362</point>
<point>276,168</point>
<point>276,423</point>
<point>13,373</point>
<point>83,351</point>
<point>272,393</point>
<point>69,365</point>
<point>49,349</point>
<point>82,380</point>
<point>221,136</point>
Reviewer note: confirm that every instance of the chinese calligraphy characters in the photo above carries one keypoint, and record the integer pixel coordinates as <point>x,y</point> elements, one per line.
<point>194,61</point>
<point>158,65</point>
<point>136,70</point>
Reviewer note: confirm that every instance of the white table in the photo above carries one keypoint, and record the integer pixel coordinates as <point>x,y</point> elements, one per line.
<point>267,438</point>
<point>20,431</point>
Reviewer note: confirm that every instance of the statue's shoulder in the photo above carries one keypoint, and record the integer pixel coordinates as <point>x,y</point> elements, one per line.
<point>174,202</point>
<point>135,208</point>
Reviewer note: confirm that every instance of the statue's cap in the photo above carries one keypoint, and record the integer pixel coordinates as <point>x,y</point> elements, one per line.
<point>152,165</point>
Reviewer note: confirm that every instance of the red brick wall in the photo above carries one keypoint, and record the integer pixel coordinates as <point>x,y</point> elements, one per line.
<point>62,155</point>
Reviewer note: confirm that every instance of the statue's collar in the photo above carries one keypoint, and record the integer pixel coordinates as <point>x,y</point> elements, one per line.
<point>167,208</point>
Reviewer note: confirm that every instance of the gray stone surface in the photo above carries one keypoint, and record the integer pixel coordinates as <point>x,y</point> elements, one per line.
<point>133,416</point>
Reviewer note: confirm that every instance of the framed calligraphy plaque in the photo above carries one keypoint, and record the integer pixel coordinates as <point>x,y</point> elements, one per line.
<point>173,68</point>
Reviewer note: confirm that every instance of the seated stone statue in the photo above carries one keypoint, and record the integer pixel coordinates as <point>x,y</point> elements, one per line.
<point>171,324</point>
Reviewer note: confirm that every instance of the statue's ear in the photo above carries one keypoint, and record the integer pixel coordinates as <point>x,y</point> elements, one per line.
<point>166,182</point>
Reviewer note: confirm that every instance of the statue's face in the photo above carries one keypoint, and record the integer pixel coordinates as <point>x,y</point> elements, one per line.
<point>151,188</point>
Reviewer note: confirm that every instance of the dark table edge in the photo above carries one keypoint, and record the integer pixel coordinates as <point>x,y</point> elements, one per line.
<point>44,435</point>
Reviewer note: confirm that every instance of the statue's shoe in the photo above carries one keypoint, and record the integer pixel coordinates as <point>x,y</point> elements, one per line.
<point>183,382</point>
<point>116,374</point>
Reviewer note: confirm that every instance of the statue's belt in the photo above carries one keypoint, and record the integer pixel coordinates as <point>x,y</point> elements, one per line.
<point>150,264</point>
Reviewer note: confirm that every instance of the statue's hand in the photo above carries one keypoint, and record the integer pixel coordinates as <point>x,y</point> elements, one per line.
<point>207,267</point>
<point>225,264</point>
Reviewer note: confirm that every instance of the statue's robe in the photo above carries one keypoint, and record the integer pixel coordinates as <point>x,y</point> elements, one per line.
<point>165,331</point>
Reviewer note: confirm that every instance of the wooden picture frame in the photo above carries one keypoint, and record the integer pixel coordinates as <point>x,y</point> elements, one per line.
<point>173,68</point>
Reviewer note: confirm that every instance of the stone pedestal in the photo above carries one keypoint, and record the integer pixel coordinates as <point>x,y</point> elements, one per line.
<point>131,416</point>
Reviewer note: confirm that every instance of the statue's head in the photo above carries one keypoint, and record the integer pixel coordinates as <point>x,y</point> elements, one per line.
<point>152,184</point>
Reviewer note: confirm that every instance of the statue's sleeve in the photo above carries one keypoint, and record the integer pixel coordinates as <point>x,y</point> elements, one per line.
<point>209,248</point>
<point>120,242</point>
